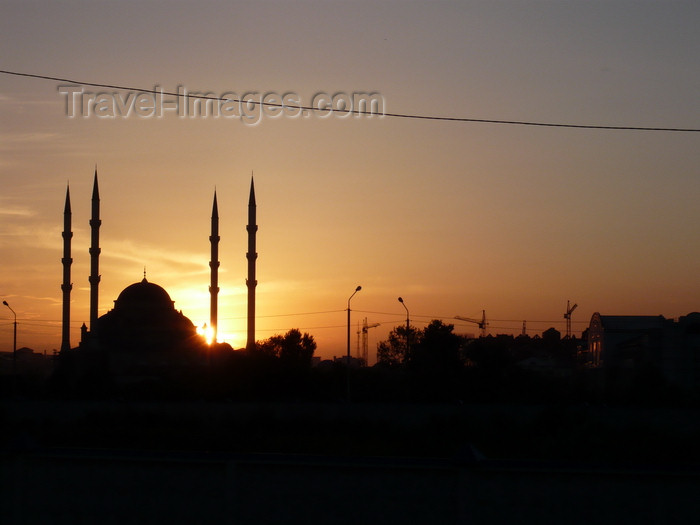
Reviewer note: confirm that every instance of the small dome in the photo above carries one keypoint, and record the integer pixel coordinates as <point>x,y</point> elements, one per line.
<point>143,296</point>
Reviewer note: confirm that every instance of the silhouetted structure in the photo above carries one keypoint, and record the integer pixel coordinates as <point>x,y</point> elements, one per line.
<point>143,338</point>
<point>482,324</point>
<point>144,316</point>
<point>144,334</point>
<point>214,265</point>
<point>625,345</point>
<point>252,255</point>
<point>67,260</point>
<point>143,346</point>
<point>569,310</point>
<point>94,279</point>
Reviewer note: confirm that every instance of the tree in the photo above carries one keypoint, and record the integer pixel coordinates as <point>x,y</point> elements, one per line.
<point>439,348</point>
<point>293,348</point>
<point>392,352</point>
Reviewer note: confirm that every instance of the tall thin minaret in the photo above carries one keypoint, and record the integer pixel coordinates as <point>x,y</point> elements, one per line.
<point>94,279</point>
<point>67,260</point>
<point>252,255</point>
<point>214,265</point>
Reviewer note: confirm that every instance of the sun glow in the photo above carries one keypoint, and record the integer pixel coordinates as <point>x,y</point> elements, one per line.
<point>207,332</point>
<point>231,338</point>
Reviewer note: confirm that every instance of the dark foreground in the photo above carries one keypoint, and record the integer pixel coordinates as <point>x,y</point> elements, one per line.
<point>194,463</point>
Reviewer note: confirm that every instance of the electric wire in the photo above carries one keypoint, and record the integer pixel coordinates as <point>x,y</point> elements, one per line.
<point>282,315</point>
<point>360,112</point>
<point>55,322</point>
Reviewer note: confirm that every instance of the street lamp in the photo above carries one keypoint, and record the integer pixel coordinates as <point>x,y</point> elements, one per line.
<point>353,294</point>
<point>408,326</point>
<point>347,364</point>
<point>14,341</point>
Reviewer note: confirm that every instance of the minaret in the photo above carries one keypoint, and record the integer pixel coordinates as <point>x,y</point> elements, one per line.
<point>67,260</point>
<point>214,265</point>
<point>94,279</point>
<point>252,255</point>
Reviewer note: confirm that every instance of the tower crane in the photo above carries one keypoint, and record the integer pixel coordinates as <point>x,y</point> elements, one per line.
<point>365,345</point>
<point>482,324</point>
<point>567,316</point>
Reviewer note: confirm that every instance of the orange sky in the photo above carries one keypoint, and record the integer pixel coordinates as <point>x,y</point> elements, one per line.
<point>454,217</point>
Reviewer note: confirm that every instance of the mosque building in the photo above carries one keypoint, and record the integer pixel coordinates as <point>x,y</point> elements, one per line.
<point>143,335</point>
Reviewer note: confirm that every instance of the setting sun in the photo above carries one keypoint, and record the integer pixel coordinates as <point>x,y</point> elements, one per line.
<point>207,332</point>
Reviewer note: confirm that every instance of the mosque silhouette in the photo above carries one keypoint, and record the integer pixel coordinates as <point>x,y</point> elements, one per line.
<point>143,337</point>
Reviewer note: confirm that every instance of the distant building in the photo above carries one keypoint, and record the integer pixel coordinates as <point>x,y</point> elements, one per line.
<point>551,335</point>
<point>352,362</point>
<point>628,343</point>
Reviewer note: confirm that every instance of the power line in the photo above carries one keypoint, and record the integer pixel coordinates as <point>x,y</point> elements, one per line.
<point>357,111</point>
<point>536,321</point>
<point>402,314</point>
<point>415,317</point>
<point>282,315</point>
<point>451,317</point>
<point>298,328</point>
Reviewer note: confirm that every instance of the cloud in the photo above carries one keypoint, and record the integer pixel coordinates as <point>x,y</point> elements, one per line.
<point>17,212</point>
<point>28,234</point>
<point>53,301</point>
<point>18,104</point>
<point>13,140</point>
<point>22,148</point>
<point>191,263</point>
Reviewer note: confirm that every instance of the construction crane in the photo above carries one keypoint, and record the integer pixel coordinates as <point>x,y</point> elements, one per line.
<point>365,344</point>
<point>482,324</point>
<point>567,316</point>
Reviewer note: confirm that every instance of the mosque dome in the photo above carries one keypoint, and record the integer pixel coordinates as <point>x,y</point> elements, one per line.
<point>143,296</point>
<point>144,319</point>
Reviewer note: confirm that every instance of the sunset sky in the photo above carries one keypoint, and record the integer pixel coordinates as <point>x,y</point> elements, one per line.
<point>455,217</point>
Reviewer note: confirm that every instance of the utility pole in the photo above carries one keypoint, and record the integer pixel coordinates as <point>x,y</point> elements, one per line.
<point>348,342</point>
<point>408,328</point>
<point>347,363</point>
<point>14,339</point>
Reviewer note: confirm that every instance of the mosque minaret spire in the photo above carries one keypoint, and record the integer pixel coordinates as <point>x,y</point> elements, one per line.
<point>252,255</point>
<point>214,265</point>
<point>94,279</point>
<point>67,260</point>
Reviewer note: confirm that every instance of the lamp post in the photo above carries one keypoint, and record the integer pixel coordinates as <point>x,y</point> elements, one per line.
<point>353,294</point>
<point>408,327</point>
<point>14,340</point>
<point>347,364</point>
